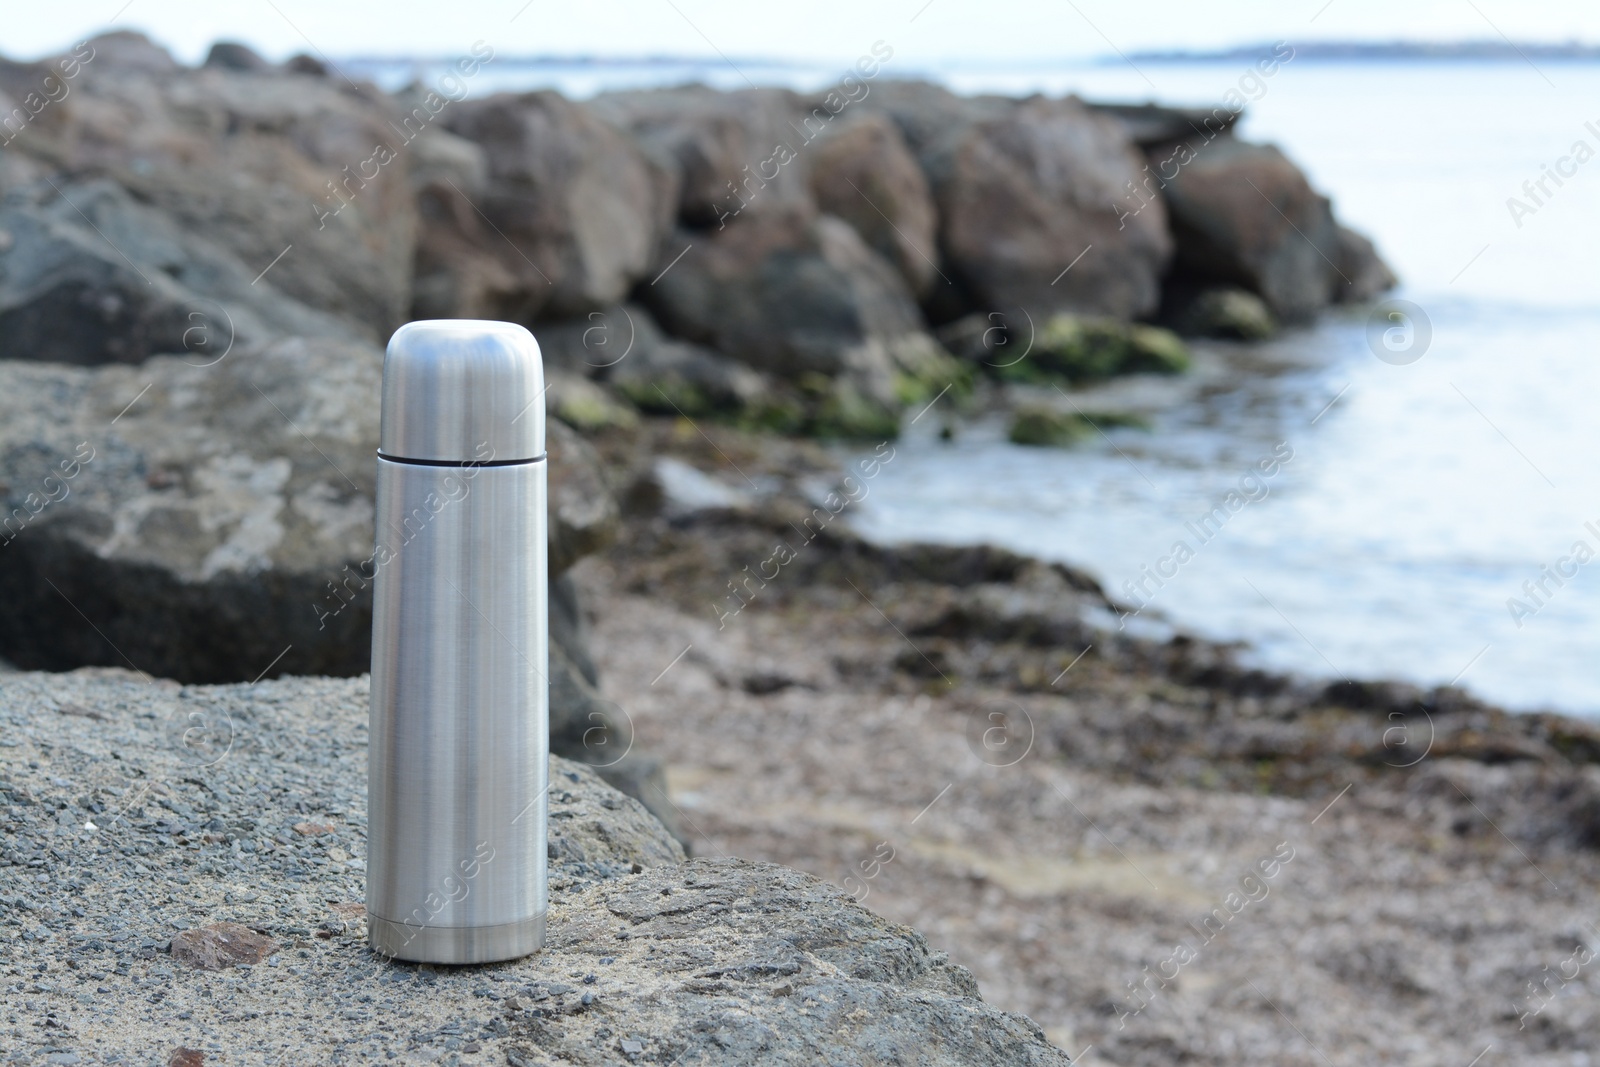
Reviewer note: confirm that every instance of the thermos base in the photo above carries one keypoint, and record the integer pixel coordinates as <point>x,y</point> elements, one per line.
<point>455,944</point>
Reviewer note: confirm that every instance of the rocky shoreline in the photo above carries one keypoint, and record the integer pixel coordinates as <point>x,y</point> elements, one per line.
<point>964,740</point>
<point>1132,839</point>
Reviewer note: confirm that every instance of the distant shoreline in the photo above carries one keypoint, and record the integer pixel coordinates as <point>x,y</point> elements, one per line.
<point>1387,51</point>
<point>1317,51</point>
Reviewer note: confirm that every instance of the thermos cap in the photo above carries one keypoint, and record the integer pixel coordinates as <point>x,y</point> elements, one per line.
<point>462,391</point>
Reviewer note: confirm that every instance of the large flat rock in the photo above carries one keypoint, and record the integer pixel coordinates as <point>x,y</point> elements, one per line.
<point>134,811</point>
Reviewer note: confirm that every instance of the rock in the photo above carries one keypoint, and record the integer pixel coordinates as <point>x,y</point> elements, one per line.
<point>1359,264</point>
<point>1075,348</point>
<point>211,522</point>
<point>186,1057</point>
<point>598,342</point>
<point>89,275</point>
<point>586,728</point>
<point>803,298</point>
<point>203,516</point>
<point>800,974</point>
<point>220,946</point>
<point>723,148</point>
<point>583,511</point>
<point>263,163</point>
<point>676,377</point>
<point>981,338</point>
<point>579,208</point>
<point>623,347</point>
<point>230,55</point>
<point>865,174</point>
<point>1154,124</point>
<point>586,407</point>
<point>1243,214</point>
<point>745,962</point>
<point>1034,424</point>
<point>1024,189</point>
<point>458,272</point>
<point>569,628</point>
<point>125,51</point>
<point>301,63</point>
<point>925,112</point>
<point>1230,313</point>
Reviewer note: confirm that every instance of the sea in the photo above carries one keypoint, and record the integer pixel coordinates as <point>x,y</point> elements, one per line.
<point>1438,517</point>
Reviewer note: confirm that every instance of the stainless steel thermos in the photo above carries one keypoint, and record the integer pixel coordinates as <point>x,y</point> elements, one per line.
<point>458,761</point>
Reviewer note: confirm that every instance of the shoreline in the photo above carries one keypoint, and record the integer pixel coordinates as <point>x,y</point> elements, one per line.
<point>921,726</point>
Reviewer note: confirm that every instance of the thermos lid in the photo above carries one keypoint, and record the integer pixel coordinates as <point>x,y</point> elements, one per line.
<point>462,391</point>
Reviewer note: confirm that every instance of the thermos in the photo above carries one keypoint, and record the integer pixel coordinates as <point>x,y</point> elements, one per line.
<point>458,756</point>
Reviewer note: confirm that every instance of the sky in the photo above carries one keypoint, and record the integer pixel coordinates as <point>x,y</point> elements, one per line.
<point>927,31</point>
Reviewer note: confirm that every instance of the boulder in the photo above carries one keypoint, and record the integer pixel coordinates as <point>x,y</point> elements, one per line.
<point>458,272</point>
<point>1366,274</point>
<point>925,112</point>
<point>1069,349</point>
<point>231,55</point>
<point>570,208</point>
<point>1244,215</point>
<point>676,377</point>
<point>1236,314</point>
<point>583,512</point>
<point>1026,190</point>
<point>263,162</point>
<point>730,152</point>
<point>650,958</point>
<point>90,275</point>
<point>801,297</point>
<point>210,522</point>
<point>585,405</point>
<point>865,174</point>
<point>1148,125</point>
<point>1038,424</point>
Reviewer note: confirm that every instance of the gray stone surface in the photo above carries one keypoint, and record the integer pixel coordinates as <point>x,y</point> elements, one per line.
<point>721,146</point>
<point>570,208</point>
<point>89,275</point>
<point>251,159</point>
<point>802,297</point>
<point>221,512</point>
<point>136,811</point>
<point>863,172</point>
<point>1244,214</point>
<point>1023,188</point>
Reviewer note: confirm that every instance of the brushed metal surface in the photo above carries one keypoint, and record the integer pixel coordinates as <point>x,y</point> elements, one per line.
<point>462,390</point>
<point>455,944</point>
<point>458,756</point>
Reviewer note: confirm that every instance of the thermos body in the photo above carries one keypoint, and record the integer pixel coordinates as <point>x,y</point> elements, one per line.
<point>459,730</point>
